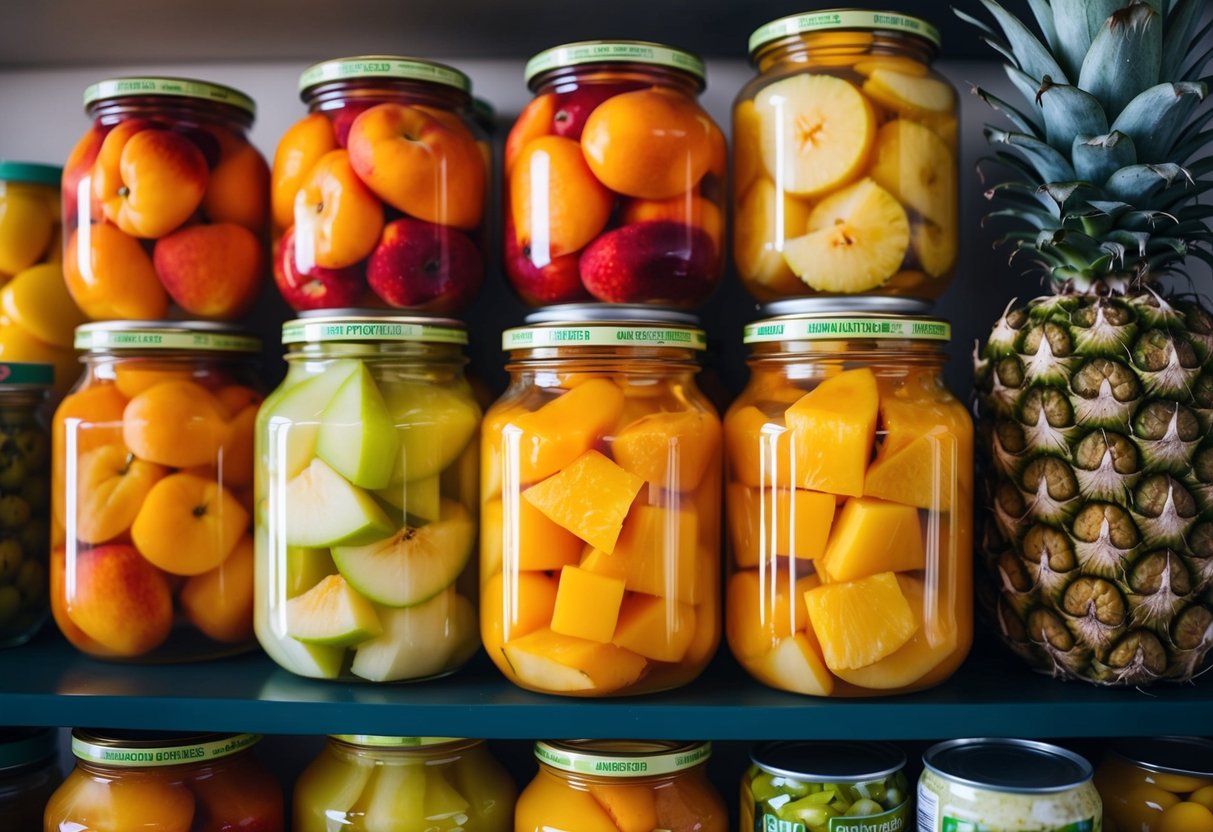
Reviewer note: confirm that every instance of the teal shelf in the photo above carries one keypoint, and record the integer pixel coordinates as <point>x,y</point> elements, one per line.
<point>49,683</point>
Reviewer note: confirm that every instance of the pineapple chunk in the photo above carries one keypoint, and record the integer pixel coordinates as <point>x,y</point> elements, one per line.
<point>656,628</point>
<point>590,497</point>
<point>747,146</point>
<point>874,536</point>
<point>860,622</point>
<point>833,428</point>
<point>669,450</point>
<point>552,437</point>
<point>765,218</point>
<point>548,661</point>
<point>796,665</point>
<point>908,94</point>
<point>587,604</point>
<point>922,474</point>
<point>915,165</point>
<point>760,613</point>
<point>659,547</point>
<point>935,246</point>
<point>771,523</point>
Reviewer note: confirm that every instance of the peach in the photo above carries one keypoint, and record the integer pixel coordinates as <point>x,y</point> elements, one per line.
<point>211,271</point>
<point>85,420</point>
<point>220,602</point>
<point>236,397</point>
<point>133,378</point>
<point>574,208</point>
<point>686,208</point>
<point>79,168</point>
<point>236,452</point>
<point>110,276</point>
<point>119,600</point>
<point>299,149</point>
<point>337,218</point>
<point>534,121</point>
<point>148,181</point>
<point>111,486</point>
<point>188,524</point>
<point>239,188</point>
<point>420,163</point>
<point>178,424</point>
<point>59,603</point>
<point>135,801</point>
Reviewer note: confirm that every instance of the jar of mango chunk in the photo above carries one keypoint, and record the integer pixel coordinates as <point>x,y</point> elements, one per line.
<point>152,492</point>
<point>1160,784</point>
<point>165,203</point>
<point>844,159</point>
<point>849,507</point>
<point>366,494</point>
<point>363,783</point>
<point>600,489</point>
<point>620,785</point>
<point>615,178</point>
<point>379,192</point>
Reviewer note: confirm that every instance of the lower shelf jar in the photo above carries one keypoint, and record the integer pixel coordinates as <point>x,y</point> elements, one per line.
<point>365,783</point>
<point>135,780</point>
<point>617,786</point>
<point>28,776</point>
<point>1163,784</point>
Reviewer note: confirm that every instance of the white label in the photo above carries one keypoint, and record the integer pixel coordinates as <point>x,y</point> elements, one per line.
<point>928,809</point>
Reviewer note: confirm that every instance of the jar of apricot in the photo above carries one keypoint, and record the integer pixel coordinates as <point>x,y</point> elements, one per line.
<point>152,492</point>
<point>844,159</point>
<point>850,483</point>
<point>379,192</point>
<point>165,203</point>
<point>614,181</point>
<point>600,490</point>
<point>585,785</point>
<point>139,780</point>
<point>1157,784</point>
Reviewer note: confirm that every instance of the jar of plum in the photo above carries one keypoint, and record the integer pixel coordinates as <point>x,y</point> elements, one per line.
<point>844,159</point>
<point>152,498</point>
<point>165,203</point>
<point>600,489</point>
<point>363,783</point>
<point>850,483</point>
<point>378,194</point>
<point>1159,784</point>
<point>138,780</point>
<point>605,785</point>
<point>29,775</point>
<point>367,466</point>
<point>614,179</point>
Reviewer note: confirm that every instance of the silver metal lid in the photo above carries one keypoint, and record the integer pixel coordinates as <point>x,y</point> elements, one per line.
<point>1008,765</point>
<point>829,762</point>
<point>833,305</point>
<point>1169,755</point>
<point>628,313</point>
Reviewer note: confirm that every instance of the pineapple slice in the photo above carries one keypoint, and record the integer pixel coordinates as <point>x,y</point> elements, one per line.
<point>860,622</point>
<point>908,94</point>
<point>857,240</point>
<point>916,166</point>
<point>817,132</point>
<point>747,146</point>
<point>765,219</point>
<point>935,246</point>
<point>896,63</point>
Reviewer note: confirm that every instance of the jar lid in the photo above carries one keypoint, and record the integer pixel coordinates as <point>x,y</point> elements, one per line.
<point>828,326</point>
<point>383,66</point>
<point>830,20</point>
<point>615,51</point>
<point>207,336</point>
<point>829,762</point>
<point>19,375</point>
<point>363,325</point>
<point>35,173</point>
<point>376,741</point>
<point>22,746</point>
<point>1169,755</point>
<point>622,758</point>
<point>158,85</point>
<point>1008,765</point>
<point>604,327</point>
<point>139,749</point>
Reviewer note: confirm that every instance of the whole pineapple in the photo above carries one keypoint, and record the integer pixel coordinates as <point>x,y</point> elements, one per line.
<point>1096,404</point>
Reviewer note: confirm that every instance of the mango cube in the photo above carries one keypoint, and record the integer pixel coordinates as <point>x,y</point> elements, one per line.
<point>590,498</point>
<point>659,546</point>
<point>632,807</point>
<point>587,605</point>
<point>511,611</point>
<point>657,628</point>
<point>669,450</point>
<point>600,563</point>
<point>760,611</point>
<point>860,622</point>
<point>873,536</point>
<point>550,438</point>
<point>769,523</point>
<point>759,448</point>
<point>551,662</point>
<point>529,542</point>
<point>833,428</point>
<point>920,474</point>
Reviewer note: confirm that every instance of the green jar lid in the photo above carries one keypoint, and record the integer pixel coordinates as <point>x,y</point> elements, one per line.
<point>18,374</point>
<point>330,327</point>
<point>615,51</point>
<point>35,173</point>
<point>24,746</point>
<point>156,85</point>
<point>376,741</point>
<point>834,19</point>
<point>144,749</point>
<point>383,66</point>
<point>845,327</point>
<point>622,758</point>
<point>205,336</point>
<point>603,335</point>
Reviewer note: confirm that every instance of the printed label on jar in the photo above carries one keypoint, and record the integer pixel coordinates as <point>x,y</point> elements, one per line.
<point>894,820</point>
<point>954,825</point>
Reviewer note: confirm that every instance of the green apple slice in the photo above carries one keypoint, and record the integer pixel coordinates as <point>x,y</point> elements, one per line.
<point>396,793</point>
<point>435,424</point>
<point>323,508</point>
<point>442,801</point>
<point>312,660</point>
<point>305,568</point>
<point>414,564</point>
<point>419,641</point>
<point>328,789</point>
<point>357,435</point>
<point>419,499</point>
<point>290,418</point>
<point>331,614</point>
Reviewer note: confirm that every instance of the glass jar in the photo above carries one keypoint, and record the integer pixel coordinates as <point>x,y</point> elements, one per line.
<point>850,470</point>
<point>609,785</point>
<point>378,194</point>
<point>844,159</point>
<point>614,179</point>
<point>152,782</point>
<point>165,203</point>
<point>29,775</point>
<point>365,783</point>
<point>367,465</point>
<point>151,551</point>
<point>1161,784</point>
<point>39,317</point>
<point>600,490</point>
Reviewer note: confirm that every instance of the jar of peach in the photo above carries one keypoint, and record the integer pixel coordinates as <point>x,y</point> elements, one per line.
<point>165,203</point>
<point>1160,784</point>
<point>610,785</point>
<point>378,194</point>
<point>844,159</point>
<point>850,482</point>
<point>600,490</point>
<point>614,179</point>
<point>152,500</point>
<point>152,782</point>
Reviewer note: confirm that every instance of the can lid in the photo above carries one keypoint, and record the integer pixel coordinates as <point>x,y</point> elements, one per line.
<point>846,326</point>
<point>15,374</point>
<point>383,66</point>
<point>622,758</point>
<point>832,19</point>
<point>162,85</point>
<point>35,173</point>
<point>377,741</point>
<point>829,762</point>
<point>615,51</point>
<point>364,325</point>
<point>613,331</point>
<point>22,746</point>
<point>1170,755</point>
<point>208,336</point>
<point>139,749</point>
<point>1008,765</point>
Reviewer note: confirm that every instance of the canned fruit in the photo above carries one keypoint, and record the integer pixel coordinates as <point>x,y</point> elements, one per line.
<point>325,509</point>
<point>1186,817</point>
<point>556,281</point>
<point>795,524</point>
<point>113,483</point>
<point>424,266</point>
<point>542,545</point>
<point>37,301</point>
<point>908,93</point>
<point>754,631</point>
<point>337,217</point>
<point>27,226</point>
<point>313,287</point>
<point>220,602</point>
<point>685,209</point>
<point>298,151</point>
<point>557,206</point>
<point>642,448</point>
<point>590,497</point>
<point>655,262</point>
<point>357,436</point>
<point>120,600</point>
<point>873,536</point>
<point>1139,796</point>
<point>832,429</point>
<point>419,641</point>
<point>238,190</point>
<point>211,271</point>
<point>916,166</point>
<point>534,121</point>
<point>765,222</point>
<point>332,614</point>
<point>552,436</point>
<point>188,524</point>
<point>110,276</point>
<point>555,663</point>
<point>175,423</point>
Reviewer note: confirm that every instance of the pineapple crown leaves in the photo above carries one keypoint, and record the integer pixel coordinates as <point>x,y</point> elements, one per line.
<point>1108,149</point>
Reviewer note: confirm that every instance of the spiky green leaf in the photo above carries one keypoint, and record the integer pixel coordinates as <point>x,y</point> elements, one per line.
<point>1155,118</point>
<point>1182,21</point>
<point>1124,58</point>
<point>1026,86</point>
<point>1027,122</point>
<point>1096,158</point>
<point>1048,164</point>
<point>1076,23</point>
<point>1069,112</point>
<point>1029,53</point>
<point>1137,184</point>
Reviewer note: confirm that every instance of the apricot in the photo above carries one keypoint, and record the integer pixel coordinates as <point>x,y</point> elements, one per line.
<point>239,188</point>
<point>337,218</point>
<point>211,271</point>
<point>220,602</point>
<point>37,300</point>
<point>27,225</point>
<point>149,181</point>
<point>59,604</point>
<point>574,209</point>
<point>177,423</point>
<point>111,486</point>
<point>298,151</point>
<point>534,121</point>
<point>84,420</point>
<point>687,208</point>
<point>110,276</point>
<point>133,378</point>
<point>77,170</point>
<point>188,524</point>
<point>236,451</point>
<point>142,801</point>
<point>236,397</point>
<point>119,600</point>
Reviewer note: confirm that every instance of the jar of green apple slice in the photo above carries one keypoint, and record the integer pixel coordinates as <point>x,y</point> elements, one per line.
<point>367,500</point>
